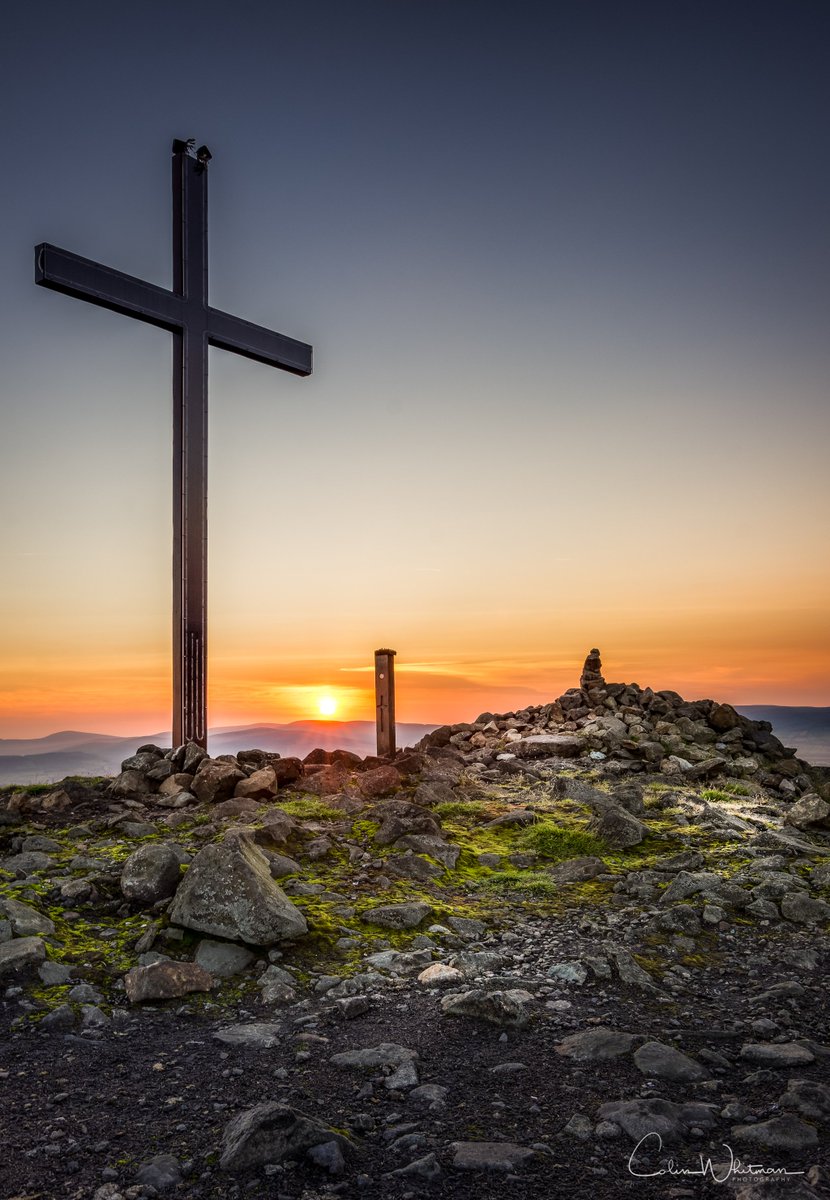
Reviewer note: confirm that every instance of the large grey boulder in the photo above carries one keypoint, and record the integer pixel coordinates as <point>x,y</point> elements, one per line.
<point>228,892</point>
<point>270,1133</point>
<point>150,874</point>
<point>129,785</point>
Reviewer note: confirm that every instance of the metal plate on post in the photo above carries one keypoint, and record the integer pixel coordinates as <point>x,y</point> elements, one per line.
<point>385,702</point>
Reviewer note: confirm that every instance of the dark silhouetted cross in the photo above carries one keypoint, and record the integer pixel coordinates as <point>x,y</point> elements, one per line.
<point>186,314</point>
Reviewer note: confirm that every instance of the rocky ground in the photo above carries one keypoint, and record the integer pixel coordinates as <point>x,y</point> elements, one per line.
<point>576,950</point>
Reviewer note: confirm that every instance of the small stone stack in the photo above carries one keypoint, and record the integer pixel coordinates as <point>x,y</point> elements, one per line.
<point>591,680</point>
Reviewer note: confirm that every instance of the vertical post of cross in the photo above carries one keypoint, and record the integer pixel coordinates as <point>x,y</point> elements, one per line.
<point>385,702</point>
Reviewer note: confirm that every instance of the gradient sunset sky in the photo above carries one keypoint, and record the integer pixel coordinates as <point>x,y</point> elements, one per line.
<point>566,271</point>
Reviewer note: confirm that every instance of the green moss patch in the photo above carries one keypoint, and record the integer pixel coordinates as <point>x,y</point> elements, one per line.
<point>311,808</point>
<point>558,843</point>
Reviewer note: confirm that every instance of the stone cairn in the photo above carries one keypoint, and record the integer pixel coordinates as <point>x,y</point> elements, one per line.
<point>591,680</point>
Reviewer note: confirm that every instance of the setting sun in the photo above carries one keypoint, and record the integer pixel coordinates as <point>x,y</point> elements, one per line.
<point>327,706</point>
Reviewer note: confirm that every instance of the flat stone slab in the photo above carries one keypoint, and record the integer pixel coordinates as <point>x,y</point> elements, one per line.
<point>785,1054</point>
<point>490,1156</point>
<point>779,1133</point>
<point>596,1045</point>
<point>262,1034</point>
<point>387,1054</point>
<point>543,745</point>
<point>397,916</point>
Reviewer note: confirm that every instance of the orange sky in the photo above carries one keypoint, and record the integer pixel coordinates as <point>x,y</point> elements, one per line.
<point>746,658</point>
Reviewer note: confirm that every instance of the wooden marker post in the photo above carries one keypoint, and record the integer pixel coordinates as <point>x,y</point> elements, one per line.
<point>385,702</point>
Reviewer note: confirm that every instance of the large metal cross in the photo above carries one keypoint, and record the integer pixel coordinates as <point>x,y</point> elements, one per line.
<point>186,314</point>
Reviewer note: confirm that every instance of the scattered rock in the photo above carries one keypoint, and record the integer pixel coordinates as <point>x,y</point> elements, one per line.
<point>440,974</point>
<point>577,870</point>
<point>398,916</point>
<point>270,1133</point>
<point>510,1007</point>
<point>21,956</point>
<point>659,1061</point>
<point>223,959</point>
<point>262,1034</point>
<point>490,1156</point>
<point>162,1172</point>
<point>26,921</point>
<point>784,1054</point>
<point>779,1133</point>
<point>596,1045</point>
<point>151,873</point>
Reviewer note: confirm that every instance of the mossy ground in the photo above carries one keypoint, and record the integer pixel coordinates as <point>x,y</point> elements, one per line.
<point>102,940</point>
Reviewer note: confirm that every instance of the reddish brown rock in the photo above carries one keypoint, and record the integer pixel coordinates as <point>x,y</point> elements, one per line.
<point>382,781</point>
<point>287,770</point>
<point>723,718</point>
<point>166,981</point>
<point>327,780</point>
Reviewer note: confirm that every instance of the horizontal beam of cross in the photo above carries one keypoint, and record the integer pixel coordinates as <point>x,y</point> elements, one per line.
<point>73,275</point>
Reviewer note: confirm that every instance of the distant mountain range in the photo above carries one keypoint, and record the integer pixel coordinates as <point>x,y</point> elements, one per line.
<point>46,759</point>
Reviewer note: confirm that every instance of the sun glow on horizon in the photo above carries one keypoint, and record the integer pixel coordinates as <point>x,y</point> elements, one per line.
<point>327,706</point>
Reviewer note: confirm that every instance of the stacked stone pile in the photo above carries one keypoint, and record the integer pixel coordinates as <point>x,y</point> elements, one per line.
<point>187,775</point>
<point>624,729</point>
